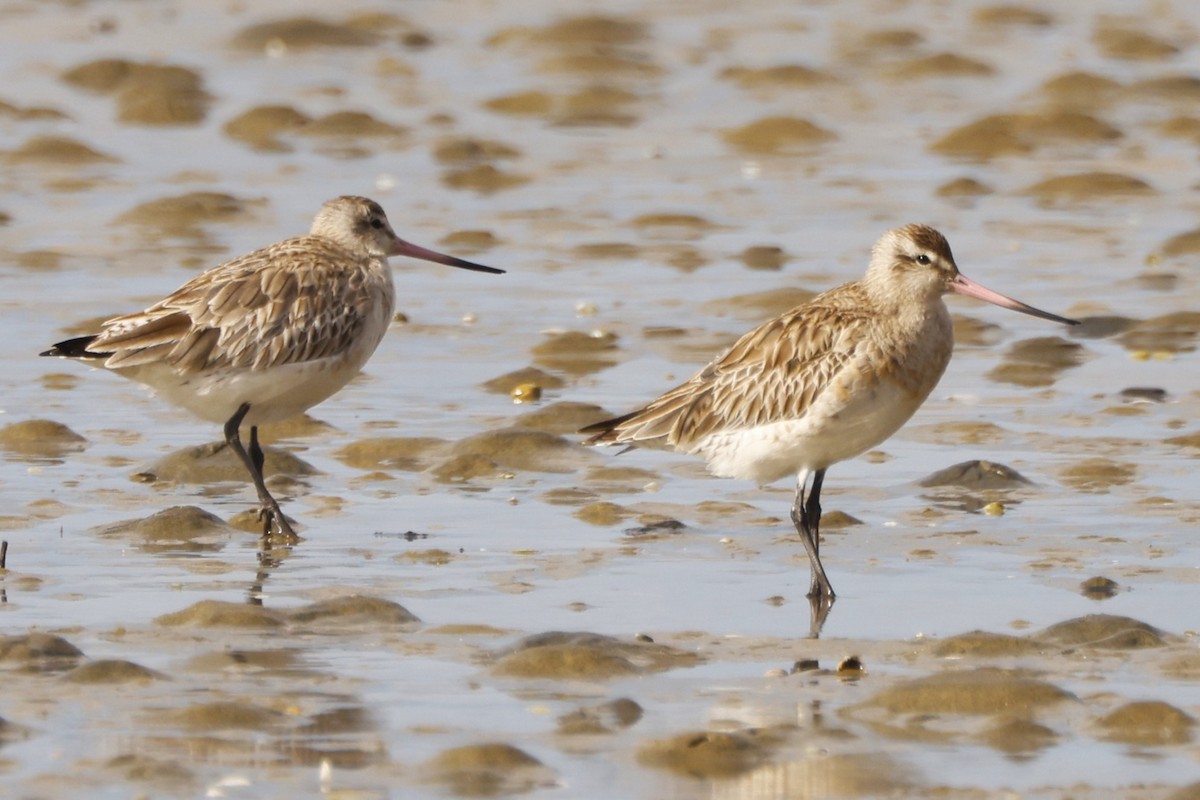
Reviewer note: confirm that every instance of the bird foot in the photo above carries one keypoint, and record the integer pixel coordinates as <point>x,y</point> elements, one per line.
<point>270,518</point>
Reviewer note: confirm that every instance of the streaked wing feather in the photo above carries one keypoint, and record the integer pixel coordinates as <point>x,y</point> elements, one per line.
<point>775,372</point>
<point>299,300</point>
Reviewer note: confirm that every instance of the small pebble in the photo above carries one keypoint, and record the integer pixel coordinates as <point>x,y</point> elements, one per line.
<point>1099,588</point>
<point>850,664</point>
<point>526,393</point>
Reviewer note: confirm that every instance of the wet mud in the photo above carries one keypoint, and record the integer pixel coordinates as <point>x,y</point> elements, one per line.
<point>480,606</point>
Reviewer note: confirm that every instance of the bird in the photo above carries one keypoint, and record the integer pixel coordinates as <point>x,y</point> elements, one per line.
<point>266,336</point>
<point>821,383</point>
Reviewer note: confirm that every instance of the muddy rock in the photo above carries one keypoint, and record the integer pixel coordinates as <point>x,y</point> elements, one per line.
<point>597,107</point>
<point>1081,90</point>
<point>261,126</point>
<point>57,150</point>
<point>527,450</point>
<point>983,644</point>
<point>963,188</point>
<point>26,113</point>
<point>759,306</point>
<point>587,656</point>
<point>1018,736</point>
<point>943,65</point>
<point>976,474</point>
<point>433,556</point>
<point>601,719</point>
<point>982,691</point>
<point>39,652</point>
<point>40,438</point>
<point>1011,16</point>
<point>530,103</point>
<point>670,226</point>
<point>491,769</point>
<point>483,178</point>
<point>1148,723</point>
<point>185,215</point>
<point>1183,244</point>
<point>1099,588</point>
<point>1132,45</point>
<point>226,715</point>
<point>506,383</point>
<point>354,610</point>
<point>1182,89</point>
<point>185,527</point>
<point>470,150</point>
<point>619,478</point>
<point>1016,134</point>
<point>1103,631</point>
<point>590,106</point>
<point>603,513</point>
<point>783,76</point>
<point>217,463</point>
<point>1098,475</point>
<point>168,775</point>
<point>146,93</point>
<point>1088,187</point>
<point>563,417</point>
<point>222,614</point>
<point>765,257</point>
<point>466,467</point>
<point>1170,333</point>
<point>606,251</point>
<point>1038,362</point>
<point>410,454</point>
<point>470,241</point>
<point>113,671</point>
<point>714,754</point>
<point>777,135</point>
<point>301,33</point>
<point>350,124</point>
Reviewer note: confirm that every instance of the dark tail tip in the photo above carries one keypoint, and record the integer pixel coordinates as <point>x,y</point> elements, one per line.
<point>74,348</point>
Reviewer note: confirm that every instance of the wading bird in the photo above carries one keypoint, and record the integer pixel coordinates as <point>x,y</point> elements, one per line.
<point>821,383</point>
<point>267,335</point>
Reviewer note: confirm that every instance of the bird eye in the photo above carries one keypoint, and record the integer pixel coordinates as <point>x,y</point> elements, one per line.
<point>924,260</point>
<point>376,223</point>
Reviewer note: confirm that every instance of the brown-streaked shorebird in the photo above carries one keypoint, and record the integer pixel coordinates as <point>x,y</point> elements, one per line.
<point>821,383</point>
<point>267,335</point>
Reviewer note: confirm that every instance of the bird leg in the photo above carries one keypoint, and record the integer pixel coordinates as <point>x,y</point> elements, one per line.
<point>269,511</point>
<point>806,516</point>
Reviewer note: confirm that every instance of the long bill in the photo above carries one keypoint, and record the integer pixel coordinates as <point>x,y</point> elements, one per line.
<point>403,248</point>
<point>963,285</point>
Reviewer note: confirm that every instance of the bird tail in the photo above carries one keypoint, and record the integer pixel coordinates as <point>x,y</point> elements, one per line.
<point>75,348</point>
<point>608,431</point>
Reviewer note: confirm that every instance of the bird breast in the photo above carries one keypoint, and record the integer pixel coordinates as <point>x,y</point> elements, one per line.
<point>860,406</point>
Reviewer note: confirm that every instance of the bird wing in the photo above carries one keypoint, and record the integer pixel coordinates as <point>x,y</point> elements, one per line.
<point>775,372</point>
<point>299,300</point>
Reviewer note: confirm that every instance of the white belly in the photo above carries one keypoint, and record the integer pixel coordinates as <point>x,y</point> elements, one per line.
<point>767,453</point>
<point>275,393</point>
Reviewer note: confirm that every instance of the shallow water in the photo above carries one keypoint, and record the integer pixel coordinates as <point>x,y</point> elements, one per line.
<point>509,553</point>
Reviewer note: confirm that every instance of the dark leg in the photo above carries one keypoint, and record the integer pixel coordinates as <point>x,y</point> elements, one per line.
<point>256,452</point>
<point>270,512</point>
<point>806,516</point>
